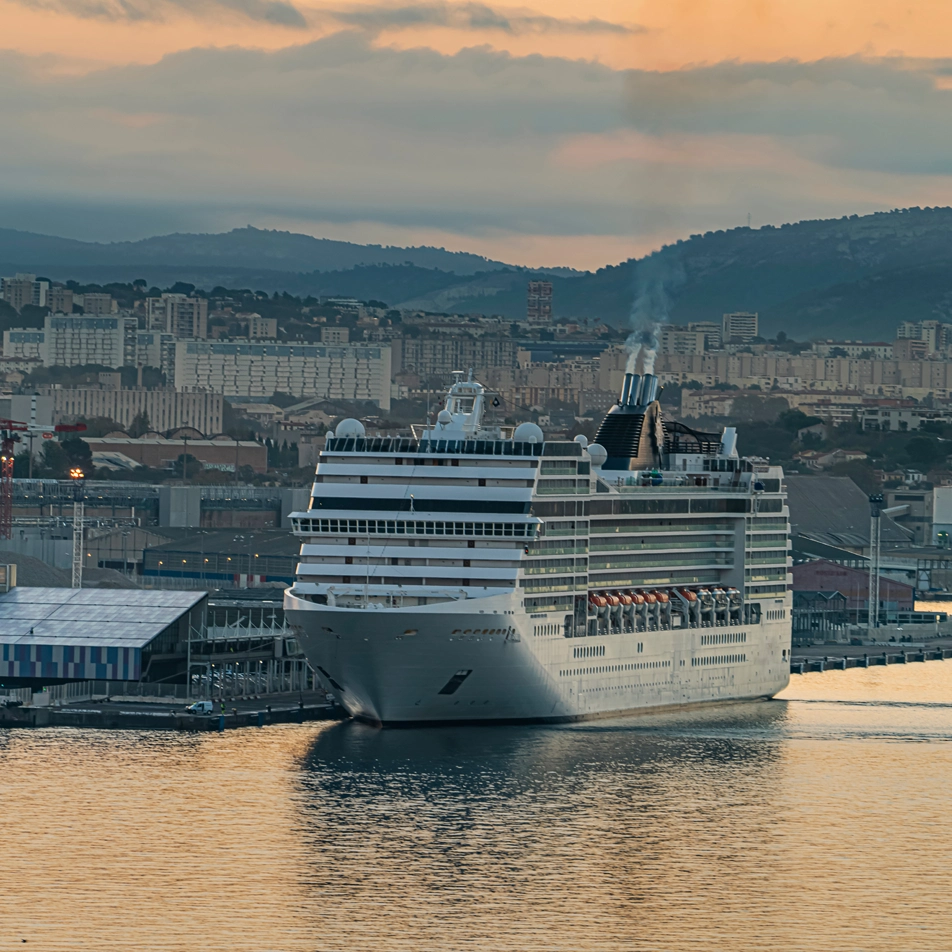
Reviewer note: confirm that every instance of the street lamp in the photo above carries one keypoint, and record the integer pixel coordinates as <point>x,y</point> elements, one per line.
<point>78,478</point>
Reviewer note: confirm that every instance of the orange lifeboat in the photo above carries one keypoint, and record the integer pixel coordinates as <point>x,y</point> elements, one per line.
<point>687,594</point>
<point>662,597</point>
<point>638,598</point>
<point>613,600</point>
<point>625,598</point>
<point>650,598</point>
<point>598,600</point>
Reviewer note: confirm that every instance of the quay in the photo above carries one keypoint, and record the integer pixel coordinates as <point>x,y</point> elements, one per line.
<point>133,714</point>
<point>839,657</point>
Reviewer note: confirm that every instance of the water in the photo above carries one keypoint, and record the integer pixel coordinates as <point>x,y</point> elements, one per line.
<point>817,822</point>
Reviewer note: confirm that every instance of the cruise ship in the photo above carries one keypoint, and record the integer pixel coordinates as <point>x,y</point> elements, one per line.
<point>476,572</point>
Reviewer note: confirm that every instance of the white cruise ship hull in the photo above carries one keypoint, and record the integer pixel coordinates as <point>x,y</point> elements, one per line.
<point>481,660</point>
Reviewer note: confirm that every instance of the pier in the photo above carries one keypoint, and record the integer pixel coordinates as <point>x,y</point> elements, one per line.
<point>133,714</point>
<point>839,657</point>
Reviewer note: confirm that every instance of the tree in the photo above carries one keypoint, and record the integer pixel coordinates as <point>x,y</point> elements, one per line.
<point>187,466</point>
<point>924,453</point>
<point>78,452</point>
<point>140,424</point>
<point>55,461</point>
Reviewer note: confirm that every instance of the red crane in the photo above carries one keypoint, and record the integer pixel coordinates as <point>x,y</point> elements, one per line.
<point>10,431</point>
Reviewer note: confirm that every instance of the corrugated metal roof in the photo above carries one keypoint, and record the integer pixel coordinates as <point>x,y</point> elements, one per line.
<point>124,618</point>
<point>835,511</point>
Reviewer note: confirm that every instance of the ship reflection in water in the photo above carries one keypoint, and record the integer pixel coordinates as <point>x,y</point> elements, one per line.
<point>805,823</point>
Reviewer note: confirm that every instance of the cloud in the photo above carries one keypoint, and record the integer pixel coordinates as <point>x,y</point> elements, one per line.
<point>348,135</point>
<point>469,16</point>
<point>277,12</point>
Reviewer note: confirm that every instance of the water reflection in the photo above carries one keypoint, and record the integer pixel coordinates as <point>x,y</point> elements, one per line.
<point>814,822</point>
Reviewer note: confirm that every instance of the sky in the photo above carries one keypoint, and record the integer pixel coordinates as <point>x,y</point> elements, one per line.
<point>550,134</point>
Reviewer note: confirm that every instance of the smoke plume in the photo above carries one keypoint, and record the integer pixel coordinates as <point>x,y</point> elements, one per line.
<point>655,278</point>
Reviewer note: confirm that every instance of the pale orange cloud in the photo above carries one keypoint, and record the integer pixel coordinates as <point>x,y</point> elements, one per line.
<point>677,32</point>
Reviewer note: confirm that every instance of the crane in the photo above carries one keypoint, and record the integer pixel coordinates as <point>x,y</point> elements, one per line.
<point>10,435</point>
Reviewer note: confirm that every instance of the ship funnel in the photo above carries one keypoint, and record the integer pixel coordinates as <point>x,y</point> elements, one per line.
<point>629,390</point>
<point>649,390</point>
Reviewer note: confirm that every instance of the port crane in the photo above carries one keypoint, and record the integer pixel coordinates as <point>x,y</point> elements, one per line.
<point>11,433</point>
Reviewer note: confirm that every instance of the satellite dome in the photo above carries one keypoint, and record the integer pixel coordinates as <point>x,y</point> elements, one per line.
<point>349,428</point>
<point>528,433</point>
<point>444,417</point>
<point>582,440</point>
<point>597,453</point>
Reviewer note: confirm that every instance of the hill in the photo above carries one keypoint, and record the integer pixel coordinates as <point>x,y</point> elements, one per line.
<point>853,277</point>
<point>240,249</point>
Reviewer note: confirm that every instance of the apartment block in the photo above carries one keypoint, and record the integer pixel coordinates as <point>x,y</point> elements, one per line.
<point>263,328</point>
<point>853,348</point>
<point>681,340</point>
<point>346,372</point>
<point>439,356</point>
<point>539,303</point>
<point>96,303</point>
<point>166,409</point>
<point>23,289</point>
<point>333,334</point>
<point>59,300</point>
<point>77,339</point>
<point>22,343</point>
<point>741,325</point>
<point>180,315</point>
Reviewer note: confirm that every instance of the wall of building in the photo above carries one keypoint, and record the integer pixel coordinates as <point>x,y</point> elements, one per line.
<point>347,372</point>
<point>166,409</point>
<point>162,454</point>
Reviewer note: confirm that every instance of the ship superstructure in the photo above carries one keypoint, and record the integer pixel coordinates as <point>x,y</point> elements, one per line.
<point>475,572</point>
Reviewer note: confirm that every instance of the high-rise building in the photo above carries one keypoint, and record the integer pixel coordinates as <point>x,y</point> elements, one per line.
<point>343,372</point>
<point>182,316</point>
<point>23,289</point>
<point>77,340</point>
<point>60,300</point>
<point>681,340</point>
<point>96,303</point>
<point>712,332</point>
<point>539,303</point>
<point>741,325</point>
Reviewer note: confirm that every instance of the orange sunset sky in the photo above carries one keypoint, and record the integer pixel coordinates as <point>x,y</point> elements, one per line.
<point>556,133</point>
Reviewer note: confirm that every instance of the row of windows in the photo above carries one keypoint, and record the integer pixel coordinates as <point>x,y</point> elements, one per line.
<point>589,651</point>
<point>718,659</point>
<point>522,530</point>
<point>613,668</point>
<point>776,614</point>
<point>547,629</point>
<point>728,638</point>
<point>393,504</point>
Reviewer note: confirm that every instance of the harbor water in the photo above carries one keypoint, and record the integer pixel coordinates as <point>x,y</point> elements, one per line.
<point>819,821</point>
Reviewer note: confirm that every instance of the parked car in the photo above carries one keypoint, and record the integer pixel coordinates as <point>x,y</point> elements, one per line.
<point>200,707</point>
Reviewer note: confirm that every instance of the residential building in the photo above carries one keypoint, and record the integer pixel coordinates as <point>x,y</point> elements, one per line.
<point>712,332</point>
<point>59,299</point>
<point>740,325</point>
<point>335,334</point>
<point>23,289</point>
<point>344,372</point>
<point>77,339</point>
<point>155,349</point>
<point>24,343</point>
<point>681,340</point>
<point>262,328</point>
<point>910,348</point>
<point>539,304</point>
<point>96,303</point>
<point>853,348</point>
<point>166,409</point>
<point>437,356</point>
<point>180,315</point>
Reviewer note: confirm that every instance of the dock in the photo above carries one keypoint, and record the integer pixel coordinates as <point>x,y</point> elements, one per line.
<point>123,714</point>
<point>839,657</point>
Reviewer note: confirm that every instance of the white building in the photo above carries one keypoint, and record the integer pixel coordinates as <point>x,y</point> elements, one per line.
<point>681,340</point>
<point>73,340</point>
<point>23,289</point>
<point>178,314</point>
<point>347,372</point>
<point>156,349</point>
<point>24,343</point>
<point>879,350</point>
<point>741,325</point>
